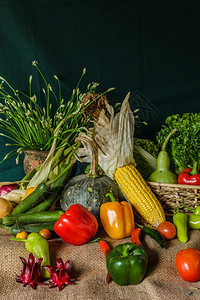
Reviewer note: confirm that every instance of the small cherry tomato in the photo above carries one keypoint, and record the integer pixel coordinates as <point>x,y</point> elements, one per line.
<point>29,191</point>
<point>188,264</point>
<point>45,233</point>
<point>22,235</point>
<point>167,230</point>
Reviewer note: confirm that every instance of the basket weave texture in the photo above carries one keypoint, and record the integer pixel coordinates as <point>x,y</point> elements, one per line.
<point>172,195</point>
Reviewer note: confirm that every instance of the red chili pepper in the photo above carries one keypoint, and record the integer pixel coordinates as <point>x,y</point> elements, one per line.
<point>136,236</point>
<point>77,225</point>
<point>106,249</point>
<point>190,176</point>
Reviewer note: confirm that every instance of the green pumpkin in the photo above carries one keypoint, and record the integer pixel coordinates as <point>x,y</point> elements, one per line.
<point>90,189</point>
<point>89,192</point>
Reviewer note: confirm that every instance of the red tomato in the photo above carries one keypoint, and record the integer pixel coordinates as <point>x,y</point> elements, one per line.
<point>167,230</point>
<point>188,264</point>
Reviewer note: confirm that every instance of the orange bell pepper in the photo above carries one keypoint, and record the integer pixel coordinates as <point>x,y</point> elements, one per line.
<point>117,218</point>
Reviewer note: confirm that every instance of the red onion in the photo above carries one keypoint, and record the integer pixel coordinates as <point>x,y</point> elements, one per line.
<point>5,189</point>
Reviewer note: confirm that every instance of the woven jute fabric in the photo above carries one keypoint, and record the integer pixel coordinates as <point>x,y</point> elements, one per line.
<point>88,265</point>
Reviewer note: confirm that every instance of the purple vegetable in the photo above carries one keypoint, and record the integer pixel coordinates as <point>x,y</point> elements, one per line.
<point>5,189</point>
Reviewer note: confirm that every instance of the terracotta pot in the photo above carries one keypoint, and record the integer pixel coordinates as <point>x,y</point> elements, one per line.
<point>33,158</point>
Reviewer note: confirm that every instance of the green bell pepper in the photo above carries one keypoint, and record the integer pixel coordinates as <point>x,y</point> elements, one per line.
<point>127,264</point>
<point>36,244</point>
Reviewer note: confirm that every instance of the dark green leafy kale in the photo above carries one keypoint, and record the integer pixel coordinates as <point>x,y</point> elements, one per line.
<point>184,146</point>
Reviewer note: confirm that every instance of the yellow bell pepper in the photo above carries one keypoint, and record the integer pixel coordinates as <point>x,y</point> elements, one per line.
<point>117,218</point>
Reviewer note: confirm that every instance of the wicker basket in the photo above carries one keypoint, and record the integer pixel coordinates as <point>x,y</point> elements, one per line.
<point>171,196</point>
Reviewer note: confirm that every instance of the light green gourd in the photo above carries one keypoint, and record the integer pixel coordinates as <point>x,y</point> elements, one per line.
<point>163,173</point>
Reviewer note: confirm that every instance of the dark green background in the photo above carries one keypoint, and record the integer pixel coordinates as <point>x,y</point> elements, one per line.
<point>150,48</point>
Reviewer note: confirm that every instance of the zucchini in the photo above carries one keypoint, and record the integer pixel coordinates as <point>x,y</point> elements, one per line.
<point>43,189</point>
<point>36,227</point>
<point>41,217</point>
<point>55,190</point>
<point>33,199</point>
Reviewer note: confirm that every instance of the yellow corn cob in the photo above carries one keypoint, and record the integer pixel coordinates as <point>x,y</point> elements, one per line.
<point>139,194</point>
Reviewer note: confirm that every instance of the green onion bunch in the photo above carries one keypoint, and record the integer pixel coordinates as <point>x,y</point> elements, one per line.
<point>30,127</point>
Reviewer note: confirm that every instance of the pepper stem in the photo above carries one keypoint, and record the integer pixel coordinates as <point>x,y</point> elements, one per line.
<point>189,208</point>
<point>112,198</point>
<point>168,138</point>
<point>125,251</point>
<point>194,169</point>
<point>19,240</point>
<point>176,210</point>
<point>140,226</point>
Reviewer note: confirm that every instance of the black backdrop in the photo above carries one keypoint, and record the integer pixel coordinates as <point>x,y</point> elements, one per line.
<point>148,47</point>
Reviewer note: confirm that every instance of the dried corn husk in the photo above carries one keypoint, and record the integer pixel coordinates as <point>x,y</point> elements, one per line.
<point>114,137</point>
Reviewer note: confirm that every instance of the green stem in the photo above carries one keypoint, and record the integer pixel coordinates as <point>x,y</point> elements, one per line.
<point>112,198</point>
<point>31,173</point>
<point>138,225</point>
<point>18,240</point>
<point>168,138</point>
<point>176,210</point>
<point>194,169</point>
<point>189,208</point>
<point>67,168</point>
<point>125,252</point>
<point>5,227</point>
<point>95,240</point>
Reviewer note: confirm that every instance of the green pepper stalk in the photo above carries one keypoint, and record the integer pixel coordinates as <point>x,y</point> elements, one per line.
<point>180,222</point>
<point>195,211</point>
<point>36,244</point>
<point>127,264</point>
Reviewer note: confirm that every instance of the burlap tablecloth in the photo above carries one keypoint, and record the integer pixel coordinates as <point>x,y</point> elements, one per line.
<point>88,265</point>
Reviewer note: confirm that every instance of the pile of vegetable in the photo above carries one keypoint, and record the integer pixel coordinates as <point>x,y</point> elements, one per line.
<point>182,147</point>
<point>119,201</point>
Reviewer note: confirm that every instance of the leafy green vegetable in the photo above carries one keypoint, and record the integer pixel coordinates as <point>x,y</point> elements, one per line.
<point>183,147</point>
<point>147,145</point>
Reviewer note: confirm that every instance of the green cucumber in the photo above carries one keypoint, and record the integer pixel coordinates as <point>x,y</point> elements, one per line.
<point>40,217</point>
<point>55,190</point>
<point>36,227</point>
<point>33,199</point>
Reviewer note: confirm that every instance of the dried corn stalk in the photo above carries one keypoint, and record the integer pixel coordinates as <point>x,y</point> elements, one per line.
<point>114,136</point>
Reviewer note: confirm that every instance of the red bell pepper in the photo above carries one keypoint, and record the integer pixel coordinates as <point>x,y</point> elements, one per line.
<point>77,225</point>
<point>190,176</point>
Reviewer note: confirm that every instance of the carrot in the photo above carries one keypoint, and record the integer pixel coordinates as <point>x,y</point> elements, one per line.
<point>136,236</point>
<point>106,249</point>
